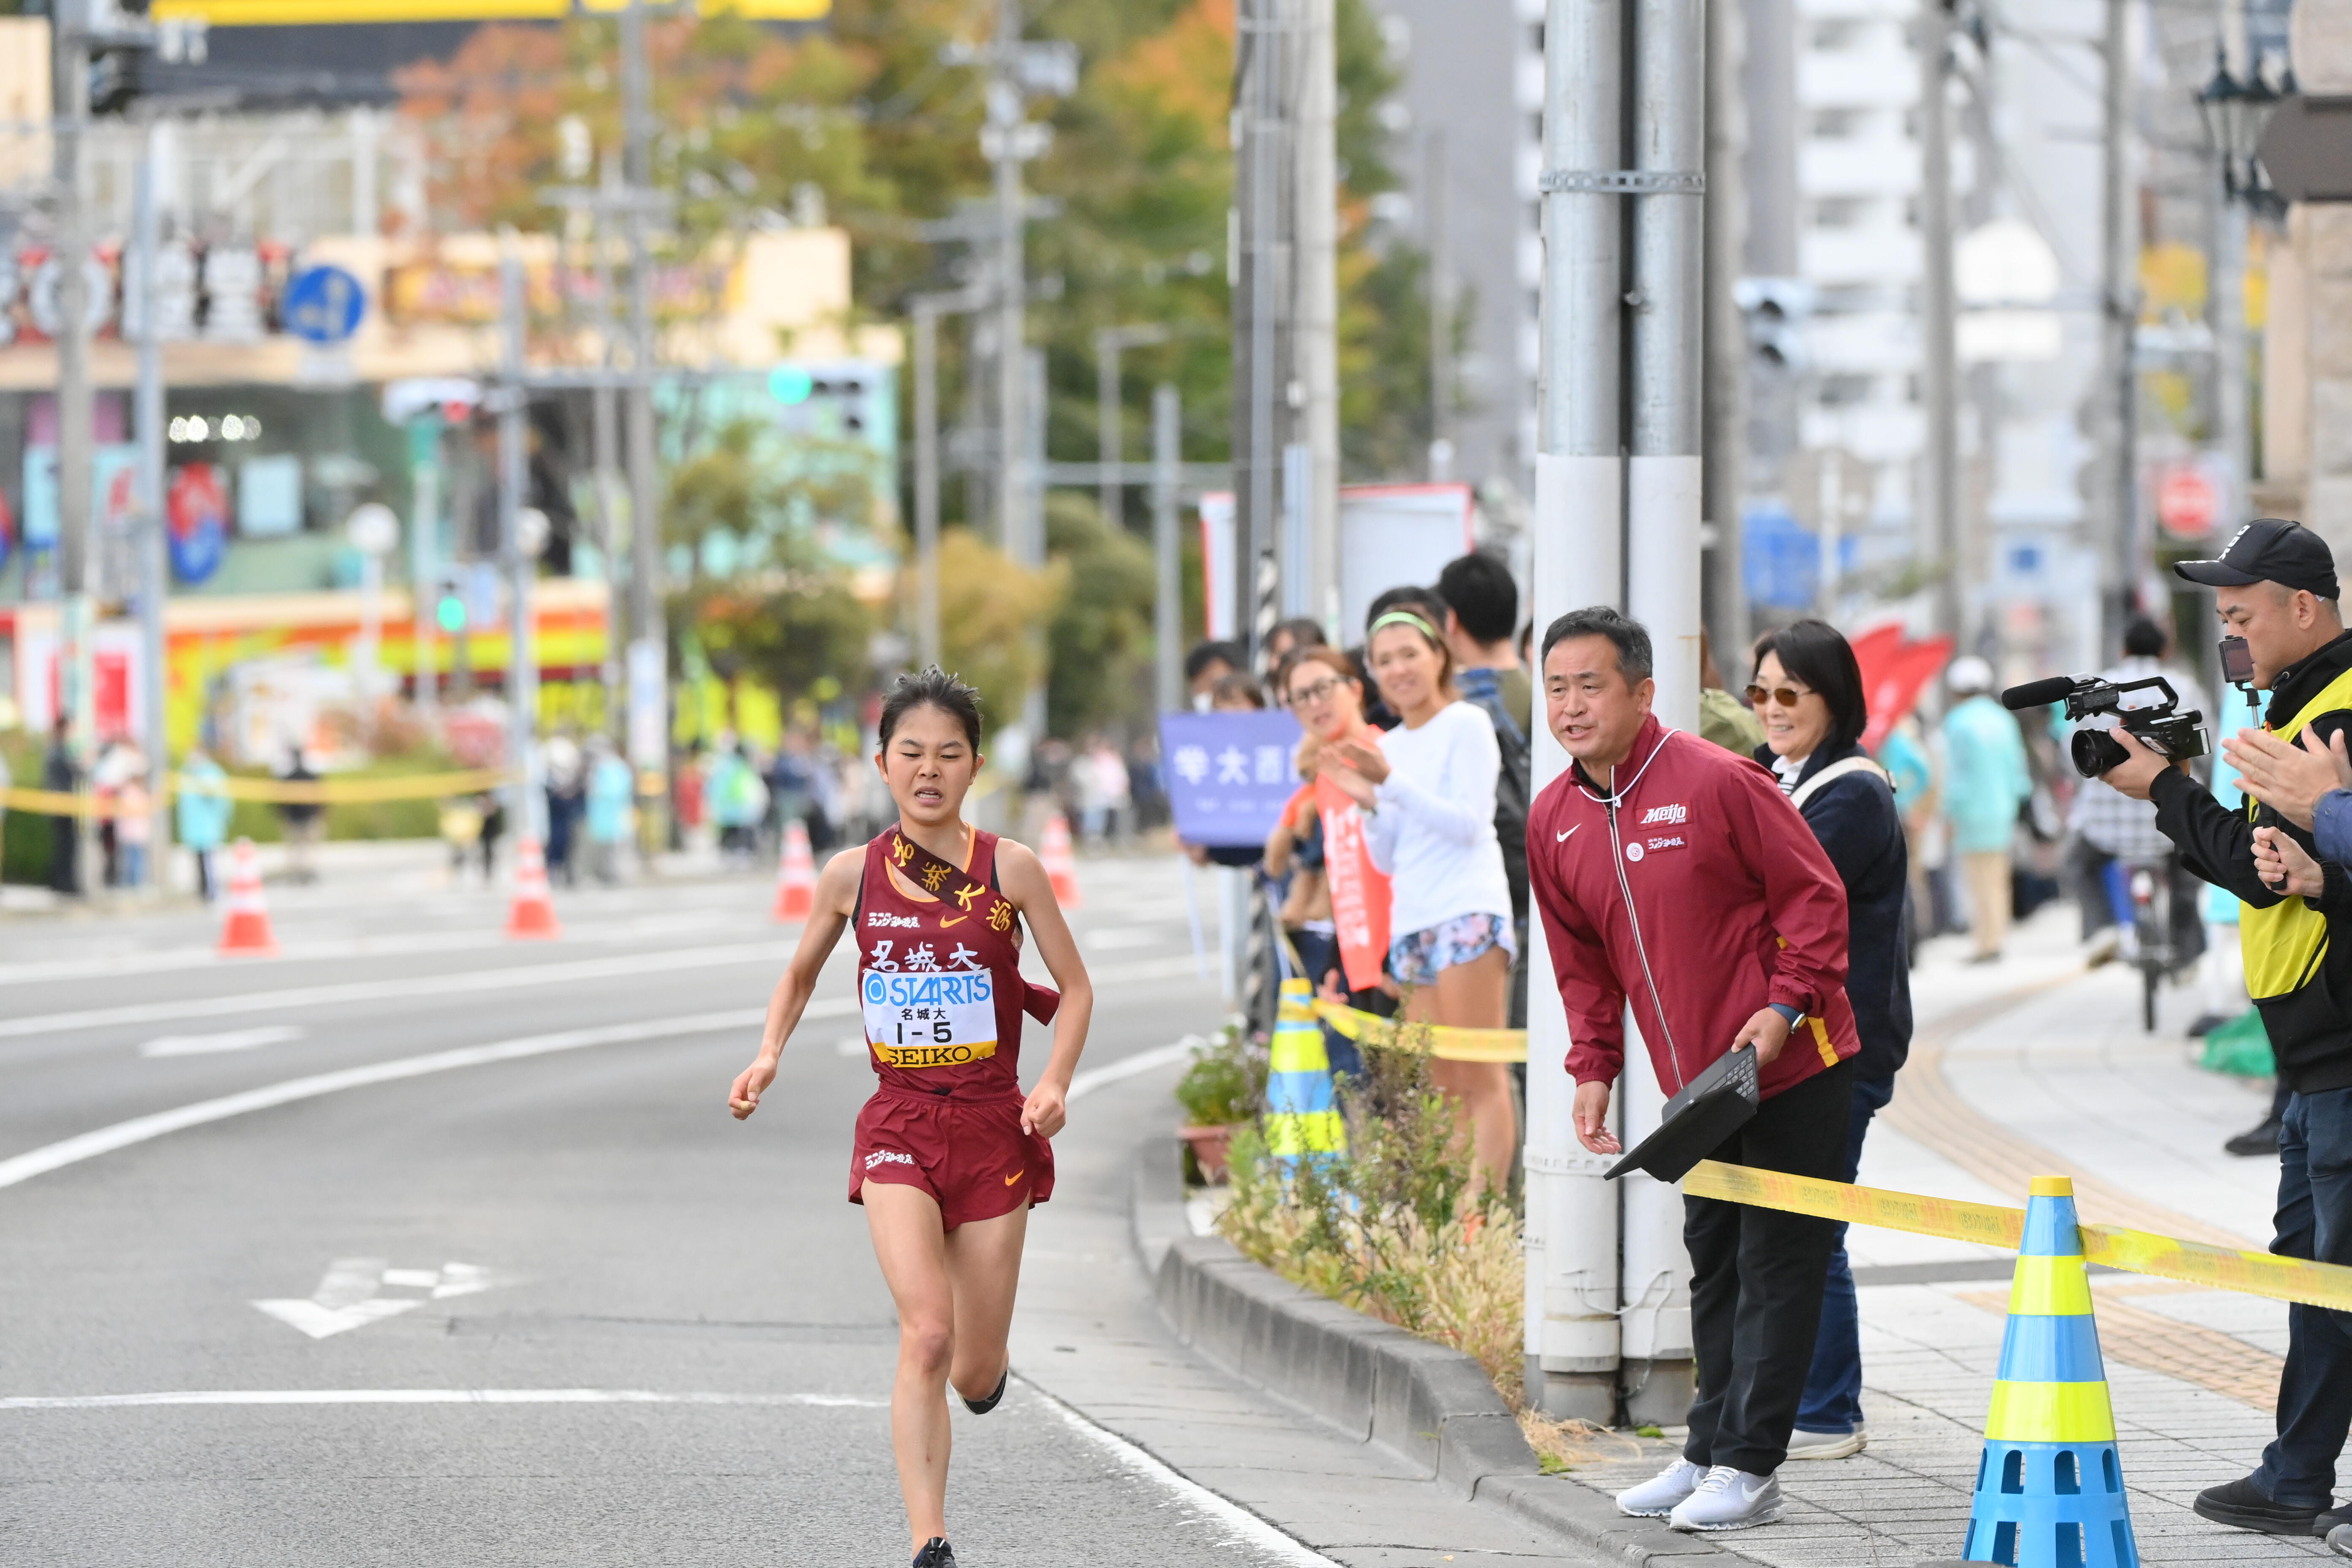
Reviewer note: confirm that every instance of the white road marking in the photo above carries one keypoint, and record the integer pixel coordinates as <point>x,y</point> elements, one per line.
<point>1092,1079</point>
<point>1246,1529</point>
<point>347,1296</point>
<point>230,1040</point>
<point>141,1129</point>
<point>429,1396</point>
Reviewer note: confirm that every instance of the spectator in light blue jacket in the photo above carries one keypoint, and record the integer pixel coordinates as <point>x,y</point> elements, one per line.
<point>611,792</point>
<point>1985,781</point>
<point>202,816</point>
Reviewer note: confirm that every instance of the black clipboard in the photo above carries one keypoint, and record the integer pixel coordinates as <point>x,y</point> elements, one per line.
<point>1710,1108</point>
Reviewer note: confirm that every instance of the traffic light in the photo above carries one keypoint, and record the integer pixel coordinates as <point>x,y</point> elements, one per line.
<point>120,38</point>
<point>449,605</point>
<point>1775,310</point>
<point>838,401</point>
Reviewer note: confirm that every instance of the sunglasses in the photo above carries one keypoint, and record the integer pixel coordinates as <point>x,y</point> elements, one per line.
<point>1786,696</point>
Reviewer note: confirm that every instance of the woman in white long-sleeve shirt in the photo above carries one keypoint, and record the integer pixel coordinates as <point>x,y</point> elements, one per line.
<point>1428,792</point>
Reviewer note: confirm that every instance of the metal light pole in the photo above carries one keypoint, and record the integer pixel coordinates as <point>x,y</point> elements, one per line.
<point>648,661</point>
<point>424,548</point>
<point>154,579</point>
<point>1572,1335</point>
<point>1261,115</point>
<point>1168,603</point>
<point>1003,143</point>
<point>514,468</point>
<point>69,59</point>
<point>1110,342</point>
<point>1938,534</point>
<point>1315,313</point>
<point>2118,402</point>
<point>1727,349</point>
<point>1441,306</point>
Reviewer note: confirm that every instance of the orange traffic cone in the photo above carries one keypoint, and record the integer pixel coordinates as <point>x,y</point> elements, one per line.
<point>795,875</point>
<point>533,914</point>
<point>247,929</point>
<point>1060,865</point>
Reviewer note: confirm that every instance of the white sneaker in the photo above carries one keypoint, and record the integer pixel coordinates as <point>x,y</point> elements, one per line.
<point>1658,1497</point>
<point>1804,1444</point>
<point>1728,1499</point>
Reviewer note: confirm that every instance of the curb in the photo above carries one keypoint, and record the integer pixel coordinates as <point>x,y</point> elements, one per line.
<point>1373,1381</point>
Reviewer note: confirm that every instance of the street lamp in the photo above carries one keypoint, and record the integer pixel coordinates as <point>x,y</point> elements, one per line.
<point>2235,113</point>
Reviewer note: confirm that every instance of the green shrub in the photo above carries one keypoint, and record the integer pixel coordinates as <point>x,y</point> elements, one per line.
<point>1225,1084</point>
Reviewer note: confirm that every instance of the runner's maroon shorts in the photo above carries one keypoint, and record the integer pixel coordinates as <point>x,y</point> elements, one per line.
<point>970,1155</point>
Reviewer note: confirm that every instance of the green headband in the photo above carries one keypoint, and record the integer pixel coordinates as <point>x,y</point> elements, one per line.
<point>1406,618</point>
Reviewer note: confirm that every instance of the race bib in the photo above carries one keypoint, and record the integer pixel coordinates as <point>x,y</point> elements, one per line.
<point>930,1020</point>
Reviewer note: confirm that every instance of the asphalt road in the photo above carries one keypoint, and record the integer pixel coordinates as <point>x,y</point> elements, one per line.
<point>418,1247</point>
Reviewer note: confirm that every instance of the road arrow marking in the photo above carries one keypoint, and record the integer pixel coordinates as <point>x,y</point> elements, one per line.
<point>348,1295</point>
<point>229,1040</point>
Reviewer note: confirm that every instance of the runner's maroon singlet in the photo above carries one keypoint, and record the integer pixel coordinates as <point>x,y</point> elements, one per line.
<point>940,989</point>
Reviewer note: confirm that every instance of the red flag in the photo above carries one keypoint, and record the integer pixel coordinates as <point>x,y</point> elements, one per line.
<point>1894,674</point>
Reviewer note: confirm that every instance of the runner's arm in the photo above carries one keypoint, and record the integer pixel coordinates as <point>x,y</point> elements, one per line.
<point>1023,880</point>
<point>836,900</point>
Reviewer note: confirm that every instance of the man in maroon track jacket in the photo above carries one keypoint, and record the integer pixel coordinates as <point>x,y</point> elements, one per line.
<point>1677,882</point>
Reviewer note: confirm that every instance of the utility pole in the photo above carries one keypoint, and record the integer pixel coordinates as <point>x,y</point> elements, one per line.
<point>1441,306</point>
<point>1572,1334</point>
<point>154,578</point>
<point>70,60</point>
<point>1939,528</point>
<point>1006,145</point>
<point>2118,411</point>
<point>1662,591</point>
<point>648,661</point>
<point>424,550</point>
<point>925,311</point>
<point>1316,313</point>
<point>522,561</point>
<point>1262,296</point>
<point>1168,603</point>
<point>1725,481</point>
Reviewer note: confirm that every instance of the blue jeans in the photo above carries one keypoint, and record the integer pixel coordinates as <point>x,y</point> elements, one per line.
<point>2314,1221</point>
<point>1832,1397</point>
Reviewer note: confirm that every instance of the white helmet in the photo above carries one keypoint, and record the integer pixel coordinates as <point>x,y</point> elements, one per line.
<point>1969,675</point>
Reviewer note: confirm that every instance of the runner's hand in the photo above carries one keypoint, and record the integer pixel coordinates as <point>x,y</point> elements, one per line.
<point>1768,1032</point>
<point>1593,1119</point>
<point>753,1082</point>
<point>1044,1113</point>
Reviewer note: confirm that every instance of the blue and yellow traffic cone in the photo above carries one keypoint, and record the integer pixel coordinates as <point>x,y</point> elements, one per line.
<point>2050,1489</point>
<point>1299,1117</point>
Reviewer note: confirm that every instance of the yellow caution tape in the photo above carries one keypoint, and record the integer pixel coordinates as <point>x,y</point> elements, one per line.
<point>1991,1224</point>
<point>320,792</point>
<point>1443,1041</point>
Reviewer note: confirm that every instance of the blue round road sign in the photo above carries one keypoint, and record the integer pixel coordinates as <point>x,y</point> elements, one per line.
<point>324,304</point>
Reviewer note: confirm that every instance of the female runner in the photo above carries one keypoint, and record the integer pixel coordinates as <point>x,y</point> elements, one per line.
<point>949,1157</point>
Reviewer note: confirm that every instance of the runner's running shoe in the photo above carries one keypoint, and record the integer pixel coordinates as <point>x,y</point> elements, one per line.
<point>983,1406</point>
<point>936,1553</point>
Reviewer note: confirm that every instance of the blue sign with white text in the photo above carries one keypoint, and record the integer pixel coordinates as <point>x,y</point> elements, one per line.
<point>1228,774</point>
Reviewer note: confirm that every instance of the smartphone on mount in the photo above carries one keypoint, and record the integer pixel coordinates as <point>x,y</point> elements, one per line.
<point>2237,663</point>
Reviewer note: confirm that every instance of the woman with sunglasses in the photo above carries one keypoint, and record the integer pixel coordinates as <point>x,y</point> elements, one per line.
<point>1427,788</point>
<point>1807,692</point>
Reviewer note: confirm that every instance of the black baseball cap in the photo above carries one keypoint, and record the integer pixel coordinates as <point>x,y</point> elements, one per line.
<point>2269,550</point>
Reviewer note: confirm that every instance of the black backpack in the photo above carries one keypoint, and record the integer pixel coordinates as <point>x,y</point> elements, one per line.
<point>1512,790</point>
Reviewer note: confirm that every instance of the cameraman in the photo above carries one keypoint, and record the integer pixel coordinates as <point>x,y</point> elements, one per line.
<point>2275,587</point>
<point>2109,828</point>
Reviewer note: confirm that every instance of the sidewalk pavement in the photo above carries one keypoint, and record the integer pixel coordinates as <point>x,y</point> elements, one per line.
<point>2031,1067</point>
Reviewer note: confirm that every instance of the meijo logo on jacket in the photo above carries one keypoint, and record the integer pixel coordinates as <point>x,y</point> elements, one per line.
<point>1657,814</point>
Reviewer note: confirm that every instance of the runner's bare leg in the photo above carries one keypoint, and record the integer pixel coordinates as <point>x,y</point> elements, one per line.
<point>913,1252</point>
<point>984,1269</point>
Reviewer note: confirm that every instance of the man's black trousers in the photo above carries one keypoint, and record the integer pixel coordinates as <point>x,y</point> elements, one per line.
<point>1756,1275</point>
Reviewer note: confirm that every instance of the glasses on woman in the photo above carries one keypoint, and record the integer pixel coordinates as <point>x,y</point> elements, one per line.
<point>1315,695</point>
<point>1786,696</point>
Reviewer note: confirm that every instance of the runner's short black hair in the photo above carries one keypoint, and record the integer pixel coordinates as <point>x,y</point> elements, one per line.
<point>1478,589</point>
<point>1634,659</point>
<point>1817,653</point>
<point>931,688</point>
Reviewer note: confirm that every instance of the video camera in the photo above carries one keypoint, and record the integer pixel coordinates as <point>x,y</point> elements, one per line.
<point>2175,737</point>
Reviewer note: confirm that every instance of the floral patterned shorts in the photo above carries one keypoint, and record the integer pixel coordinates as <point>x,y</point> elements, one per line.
<point>1415,957</point>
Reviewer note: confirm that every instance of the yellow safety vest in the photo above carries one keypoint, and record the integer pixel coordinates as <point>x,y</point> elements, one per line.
<point>2285,943</point>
